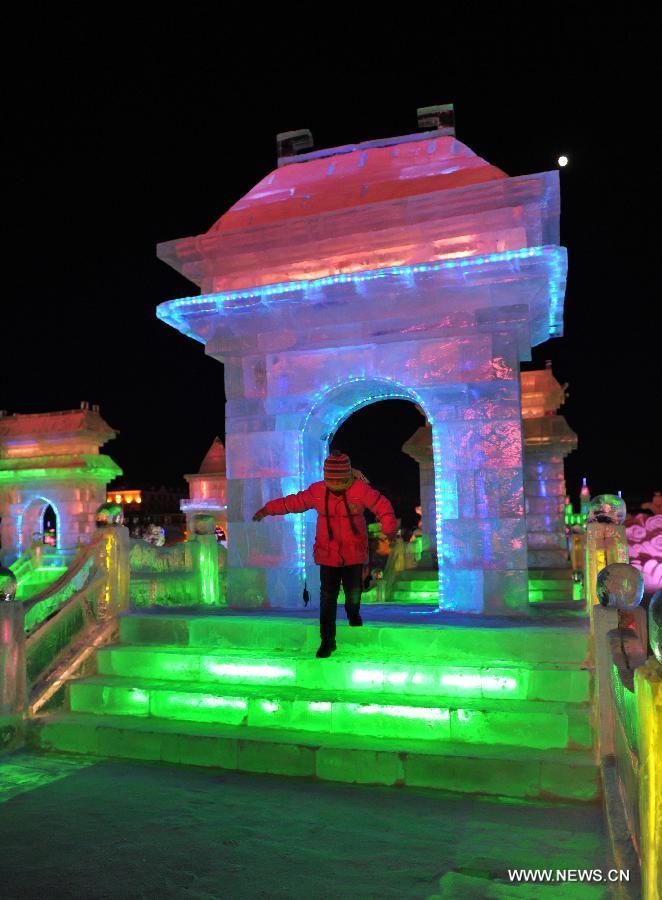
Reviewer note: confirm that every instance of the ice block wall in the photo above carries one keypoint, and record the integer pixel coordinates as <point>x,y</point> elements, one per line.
<point>282,408</point>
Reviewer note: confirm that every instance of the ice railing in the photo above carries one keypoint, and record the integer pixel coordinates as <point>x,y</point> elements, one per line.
<point>191,573</point>
<point>39,567</point>
<point>47,638</point>
<point>626,654</point>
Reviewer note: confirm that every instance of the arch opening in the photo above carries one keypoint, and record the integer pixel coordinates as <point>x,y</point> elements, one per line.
<point>49,526</point>
<point>342,418</point>
<point>39,523</point>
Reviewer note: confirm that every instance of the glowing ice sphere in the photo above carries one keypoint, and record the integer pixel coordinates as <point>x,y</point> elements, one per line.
<point>608,509</point>
<point>7,584</point>
<point>204,524</point>
<point>620,585</point>
<point>109,514</point>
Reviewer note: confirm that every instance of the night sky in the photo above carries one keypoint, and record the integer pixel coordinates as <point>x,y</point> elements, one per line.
<point>143,128</point>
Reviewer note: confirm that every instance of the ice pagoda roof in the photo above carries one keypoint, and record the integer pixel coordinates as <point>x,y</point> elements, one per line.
<point>420,212</point>
<point>214,461</point>
<point>55,426</point>
<point>357,175</point>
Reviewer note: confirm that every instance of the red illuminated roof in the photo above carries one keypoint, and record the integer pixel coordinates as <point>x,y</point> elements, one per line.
<point>54,424</point>
<point>357,175</point>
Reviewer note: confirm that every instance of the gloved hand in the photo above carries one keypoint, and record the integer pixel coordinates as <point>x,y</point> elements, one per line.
<point>259,515</point>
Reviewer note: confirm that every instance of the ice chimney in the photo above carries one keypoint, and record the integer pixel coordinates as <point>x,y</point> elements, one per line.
<point>291,143</point>
<point>437,118</point>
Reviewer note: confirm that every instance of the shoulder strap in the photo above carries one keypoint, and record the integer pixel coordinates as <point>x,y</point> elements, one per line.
<point>326,512</point>
<point>352,523</point>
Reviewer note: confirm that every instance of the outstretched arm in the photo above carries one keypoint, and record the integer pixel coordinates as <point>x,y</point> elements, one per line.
<point>381,507</point>
<point>293,503</point>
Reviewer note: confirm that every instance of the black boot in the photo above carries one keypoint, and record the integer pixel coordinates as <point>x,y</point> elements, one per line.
<point>326,648</point>
<point>355,620</point>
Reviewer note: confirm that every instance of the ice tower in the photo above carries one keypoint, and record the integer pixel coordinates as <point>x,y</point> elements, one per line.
<point>400,268</point>
<point>208,488</point>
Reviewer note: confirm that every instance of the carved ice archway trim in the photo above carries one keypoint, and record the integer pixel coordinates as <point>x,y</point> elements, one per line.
<point>45,502</point>
<point>330,408</point>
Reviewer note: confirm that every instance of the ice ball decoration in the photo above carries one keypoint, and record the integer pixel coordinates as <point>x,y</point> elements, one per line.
<point>109,514</point>
<point>203,523</point>
<point>620,586</point>
<point>8,584</point>
<point>607,509</point>
<point>655,625</point>
<point>155,535</point>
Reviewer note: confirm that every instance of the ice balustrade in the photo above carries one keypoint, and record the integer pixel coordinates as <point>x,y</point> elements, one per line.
<point>628,701</point>
<point>39,567</point>
<point>190,573</point>
<point>49,636</point>
<point>627,659</point>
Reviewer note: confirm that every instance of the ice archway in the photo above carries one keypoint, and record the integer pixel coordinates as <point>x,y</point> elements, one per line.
<point>399,268</point>
<point>330,408</point>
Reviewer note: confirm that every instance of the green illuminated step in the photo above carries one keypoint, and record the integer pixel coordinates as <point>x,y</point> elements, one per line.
<point>540,596</point>
<point>392,675</point>
<point>479,769</point>
<point>407,596</point>
<point>549,585</point>
<point>418,574</point>
<point>556,574</point>
<point>517,723</point>
<point>417,585</point>
<point>504,643</point>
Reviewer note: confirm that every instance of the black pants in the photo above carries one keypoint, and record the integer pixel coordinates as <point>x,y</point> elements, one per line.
<point>331,578</point>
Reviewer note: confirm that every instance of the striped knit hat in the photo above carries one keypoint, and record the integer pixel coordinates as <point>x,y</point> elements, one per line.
<point>338,472</point>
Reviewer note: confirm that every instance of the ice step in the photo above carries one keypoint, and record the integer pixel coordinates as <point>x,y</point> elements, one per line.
<point>476,768</point>
<point>417,584</point>
<point>540,595</point>
<point>418,575</point>
<point>391,675</point>
<point>513,722</point>
<point>553,574</point>
<point>564,587</point>
<point>453,643</point>
<point>418,596</point>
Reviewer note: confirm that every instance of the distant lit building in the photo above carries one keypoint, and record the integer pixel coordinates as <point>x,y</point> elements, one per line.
<point>145,506</point>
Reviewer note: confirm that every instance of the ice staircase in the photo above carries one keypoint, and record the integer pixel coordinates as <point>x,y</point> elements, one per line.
<point>416,586</point>
<point>553,587</point>
<point>500,710</point>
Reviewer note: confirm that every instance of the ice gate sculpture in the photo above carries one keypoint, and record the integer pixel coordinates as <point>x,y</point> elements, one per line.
<point>52,459</point>
<point>399,268</point>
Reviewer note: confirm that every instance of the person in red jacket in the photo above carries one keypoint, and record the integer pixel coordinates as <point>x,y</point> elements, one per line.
<point>341,539</point>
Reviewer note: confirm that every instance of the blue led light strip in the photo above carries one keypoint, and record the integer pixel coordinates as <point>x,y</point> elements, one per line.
<point>173,311</point>
<point>386,389</point>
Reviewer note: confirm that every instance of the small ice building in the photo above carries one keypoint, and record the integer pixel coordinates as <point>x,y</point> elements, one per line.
<point>208,488</point>
<point>407,268</point>
<point>52,459</point>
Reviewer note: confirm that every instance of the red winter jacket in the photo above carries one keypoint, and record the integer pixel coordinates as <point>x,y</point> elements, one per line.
<point>345,546</point>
